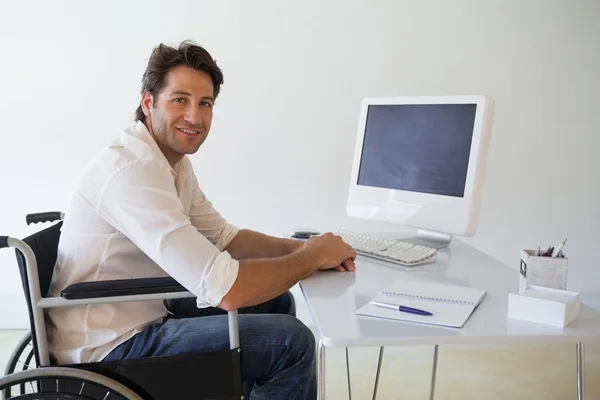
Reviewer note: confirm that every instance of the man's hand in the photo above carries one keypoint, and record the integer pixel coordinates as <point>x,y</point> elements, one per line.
<point>331,252</point>
<point>346,265</point>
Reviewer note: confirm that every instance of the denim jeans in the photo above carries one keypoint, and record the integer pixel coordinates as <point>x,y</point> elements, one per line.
<point>277,350</point>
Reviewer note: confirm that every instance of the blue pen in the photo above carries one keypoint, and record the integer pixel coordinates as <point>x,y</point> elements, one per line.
<point>401,308</point>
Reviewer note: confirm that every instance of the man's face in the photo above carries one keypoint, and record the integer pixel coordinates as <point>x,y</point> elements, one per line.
<point>179,117</point>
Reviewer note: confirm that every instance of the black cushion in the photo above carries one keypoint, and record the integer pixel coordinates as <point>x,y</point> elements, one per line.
<point>121,287</point>
<point>45,246</point>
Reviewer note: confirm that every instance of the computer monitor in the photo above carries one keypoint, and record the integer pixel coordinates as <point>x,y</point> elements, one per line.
<point>420,162</point>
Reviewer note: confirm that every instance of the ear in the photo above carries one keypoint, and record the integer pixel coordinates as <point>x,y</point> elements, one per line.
<point>147,103</point>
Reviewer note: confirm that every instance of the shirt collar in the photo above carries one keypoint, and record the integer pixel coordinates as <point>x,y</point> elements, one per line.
<point>144,134</point>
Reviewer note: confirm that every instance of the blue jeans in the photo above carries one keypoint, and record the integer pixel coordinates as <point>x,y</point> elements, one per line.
<point>278,351</point>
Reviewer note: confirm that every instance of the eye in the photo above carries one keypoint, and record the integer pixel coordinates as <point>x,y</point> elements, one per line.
<point>179,100</point>
<point>206,104</point>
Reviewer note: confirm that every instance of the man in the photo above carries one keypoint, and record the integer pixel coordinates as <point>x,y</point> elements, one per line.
<point>138,211</point>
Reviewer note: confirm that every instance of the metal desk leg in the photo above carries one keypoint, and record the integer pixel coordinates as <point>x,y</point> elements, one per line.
<point>433,373</point>
<point>378,370</point>
<point>348,373</point>
<point>321,370</point>
<point>580,371</point>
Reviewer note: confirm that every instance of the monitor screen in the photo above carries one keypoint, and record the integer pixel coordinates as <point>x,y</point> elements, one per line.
<point>417,147</point>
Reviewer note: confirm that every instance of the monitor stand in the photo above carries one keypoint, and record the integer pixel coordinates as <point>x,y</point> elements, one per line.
<point>424,237</point>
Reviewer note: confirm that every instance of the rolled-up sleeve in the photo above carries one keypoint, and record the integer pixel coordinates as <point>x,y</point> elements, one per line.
<point>141,201</point>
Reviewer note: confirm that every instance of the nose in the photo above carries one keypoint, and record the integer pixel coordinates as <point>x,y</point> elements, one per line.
<point>193,116</point>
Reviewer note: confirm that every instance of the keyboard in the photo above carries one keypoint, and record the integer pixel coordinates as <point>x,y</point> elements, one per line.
<point>394,251</point>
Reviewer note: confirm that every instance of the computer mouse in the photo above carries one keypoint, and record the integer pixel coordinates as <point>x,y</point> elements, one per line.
<point>304,233</point>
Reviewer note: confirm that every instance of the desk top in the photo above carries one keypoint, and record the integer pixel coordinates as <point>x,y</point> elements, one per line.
<point>333,298</point>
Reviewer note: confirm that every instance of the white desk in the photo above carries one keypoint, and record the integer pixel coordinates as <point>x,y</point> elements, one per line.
<point>333,298</point>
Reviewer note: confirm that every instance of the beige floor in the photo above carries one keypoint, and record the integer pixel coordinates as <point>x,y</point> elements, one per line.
<point>506,372</point>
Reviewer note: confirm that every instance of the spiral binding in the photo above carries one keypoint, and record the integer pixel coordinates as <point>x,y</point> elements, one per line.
<point>428,298</point>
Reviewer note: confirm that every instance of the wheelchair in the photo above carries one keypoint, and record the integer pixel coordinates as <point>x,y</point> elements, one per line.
<point>32,374</point>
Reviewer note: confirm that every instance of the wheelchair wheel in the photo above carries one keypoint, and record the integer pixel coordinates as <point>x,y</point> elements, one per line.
<point>22,357</point>
<point>58,383</point>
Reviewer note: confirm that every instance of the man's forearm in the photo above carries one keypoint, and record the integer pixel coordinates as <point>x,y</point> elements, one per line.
<point>260,280</point>
<point>249,244</point>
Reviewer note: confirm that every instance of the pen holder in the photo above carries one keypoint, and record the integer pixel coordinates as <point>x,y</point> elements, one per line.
<point>550,272</point>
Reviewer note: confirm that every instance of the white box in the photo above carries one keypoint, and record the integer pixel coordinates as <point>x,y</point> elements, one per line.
<point>551,272</point>
<point>544,305</point>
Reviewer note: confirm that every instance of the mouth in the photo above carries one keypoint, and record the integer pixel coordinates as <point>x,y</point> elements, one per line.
<point>189,132</point>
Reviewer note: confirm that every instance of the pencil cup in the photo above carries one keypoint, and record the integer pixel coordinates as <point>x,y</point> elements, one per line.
<point>550,272</point>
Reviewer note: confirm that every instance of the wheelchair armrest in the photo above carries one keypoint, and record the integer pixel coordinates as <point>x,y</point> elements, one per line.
<point>121,287</point>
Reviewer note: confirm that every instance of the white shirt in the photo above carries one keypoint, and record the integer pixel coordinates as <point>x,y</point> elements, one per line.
<point>133,216</point>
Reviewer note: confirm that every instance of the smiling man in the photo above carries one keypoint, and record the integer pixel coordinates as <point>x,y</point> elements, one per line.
<point>176,129</point>
<point>138,212</point>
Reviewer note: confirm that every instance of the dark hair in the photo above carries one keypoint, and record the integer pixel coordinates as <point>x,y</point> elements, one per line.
<point>164,58</point>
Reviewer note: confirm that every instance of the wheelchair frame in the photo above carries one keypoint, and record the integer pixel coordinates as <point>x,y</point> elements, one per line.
<point>38,303</point>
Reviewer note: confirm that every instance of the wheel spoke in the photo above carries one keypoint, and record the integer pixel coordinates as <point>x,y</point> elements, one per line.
<point>23,364</point>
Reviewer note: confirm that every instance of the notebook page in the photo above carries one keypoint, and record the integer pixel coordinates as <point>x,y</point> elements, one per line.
<point>444,314</point>
<point>450,305</point>
<point>433,292</point>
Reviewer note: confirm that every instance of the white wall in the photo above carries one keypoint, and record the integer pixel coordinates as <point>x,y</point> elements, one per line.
<point>281,145</point>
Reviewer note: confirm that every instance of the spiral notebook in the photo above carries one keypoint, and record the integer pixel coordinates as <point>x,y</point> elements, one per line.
<point>450,305</point>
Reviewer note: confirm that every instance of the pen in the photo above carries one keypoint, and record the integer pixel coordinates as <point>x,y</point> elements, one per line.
<point>401,308</point>
<point>559,248</point>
